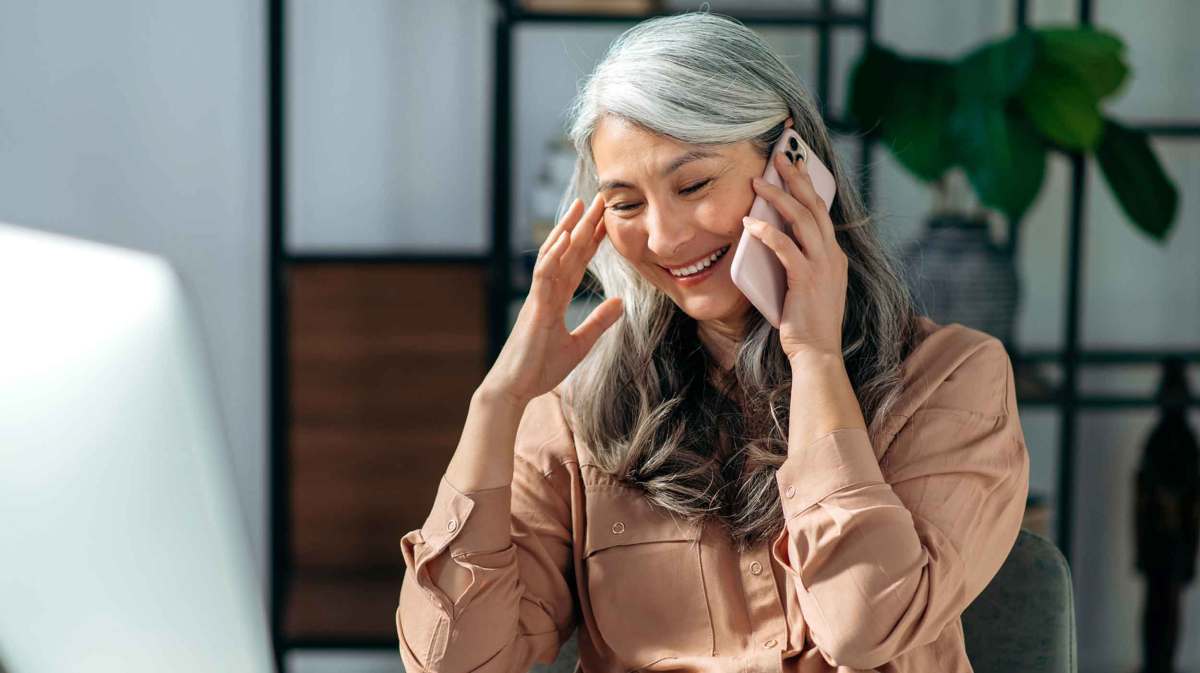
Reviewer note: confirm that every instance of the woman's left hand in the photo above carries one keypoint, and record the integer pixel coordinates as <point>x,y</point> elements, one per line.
<point>816,267</point>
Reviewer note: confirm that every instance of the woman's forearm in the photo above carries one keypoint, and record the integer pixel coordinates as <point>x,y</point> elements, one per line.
<point>483,460</point>
<point>822,399</point>
<point>484,457</point>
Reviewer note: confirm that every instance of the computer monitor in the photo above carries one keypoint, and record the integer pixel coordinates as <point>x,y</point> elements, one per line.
<point>123,546</point>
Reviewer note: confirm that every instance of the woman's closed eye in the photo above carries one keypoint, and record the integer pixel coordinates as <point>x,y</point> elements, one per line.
<point>686,190</point>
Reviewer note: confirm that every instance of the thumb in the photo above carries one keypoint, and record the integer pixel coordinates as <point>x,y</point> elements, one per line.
<point>600,319</point>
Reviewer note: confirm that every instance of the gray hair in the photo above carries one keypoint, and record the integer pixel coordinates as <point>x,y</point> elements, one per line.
<point>642,401</point>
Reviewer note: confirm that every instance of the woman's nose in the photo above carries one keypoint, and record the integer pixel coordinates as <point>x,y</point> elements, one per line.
<point>667,234</point>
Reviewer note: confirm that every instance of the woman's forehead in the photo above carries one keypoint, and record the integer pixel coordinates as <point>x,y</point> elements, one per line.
<point>623,151</point>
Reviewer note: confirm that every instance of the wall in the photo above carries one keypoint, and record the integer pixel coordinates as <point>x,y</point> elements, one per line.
<point>141,124</point>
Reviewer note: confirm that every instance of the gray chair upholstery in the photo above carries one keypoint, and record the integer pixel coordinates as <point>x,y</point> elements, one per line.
<point>1023,621</point>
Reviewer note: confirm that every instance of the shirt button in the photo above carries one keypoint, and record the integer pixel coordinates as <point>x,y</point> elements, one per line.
<point>451,524</point>
<point>618,528</point>
<point>756,567</point>
<point>770,643</point>
<point>791,491</point>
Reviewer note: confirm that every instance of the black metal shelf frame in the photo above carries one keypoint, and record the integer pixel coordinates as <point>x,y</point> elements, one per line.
<point>499,258</point>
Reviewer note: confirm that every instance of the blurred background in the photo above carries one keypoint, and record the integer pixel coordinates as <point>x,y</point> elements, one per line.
<point>354,192</point>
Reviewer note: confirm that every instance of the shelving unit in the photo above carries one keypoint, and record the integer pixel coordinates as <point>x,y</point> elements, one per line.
<point>1073,355</point>
<point>499,261</point>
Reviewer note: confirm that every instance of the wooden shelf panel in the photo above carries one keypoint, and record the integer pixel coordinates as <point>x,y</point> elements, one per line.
<point>383,360</point>
<point>352,609</point>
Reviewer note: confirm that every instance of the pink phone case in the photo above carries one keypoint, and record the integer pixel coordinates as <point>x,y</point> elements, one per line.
<point>756,270</point>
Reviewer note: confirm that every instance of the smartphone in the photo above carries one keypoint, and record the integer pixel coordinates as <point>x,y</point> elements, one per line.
<point>755,269</point>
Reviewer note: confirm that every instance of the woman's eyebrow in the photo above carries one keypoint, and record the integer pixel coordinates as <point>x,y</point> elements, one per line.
<point>669,168</point>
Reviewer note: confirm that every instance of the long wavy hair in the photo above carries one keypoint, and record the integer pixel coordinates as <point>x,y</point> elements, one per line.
<point>651,405</point>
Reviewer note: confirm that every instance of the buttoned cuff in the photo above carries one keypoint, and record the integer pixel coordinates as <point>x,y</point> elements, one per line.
<point>466,523</point>
<point>830,463</point>
<point>472,522</point>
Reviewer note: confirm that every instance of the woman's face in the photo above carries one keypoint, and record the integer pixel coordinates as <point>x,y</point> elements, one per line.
<point>665,209</point>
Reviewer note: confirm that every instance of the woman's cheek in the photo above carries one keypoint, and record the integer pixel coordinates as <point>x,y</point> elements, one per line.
<point>728,209</point>
<point>619,233</point>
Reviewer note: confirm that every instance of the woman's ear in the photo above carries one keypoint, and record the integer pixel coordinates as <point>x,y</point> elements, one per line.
<point>788,123</point>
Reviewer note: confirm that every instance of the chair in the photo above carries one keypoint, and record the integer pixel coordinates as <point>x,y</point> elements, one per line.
<point>1023,621</point>
<point>1025,618</point>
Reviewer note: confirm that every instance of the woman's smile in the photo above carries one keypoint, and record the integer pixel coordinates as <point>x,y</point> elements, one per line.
<point>697,272</point>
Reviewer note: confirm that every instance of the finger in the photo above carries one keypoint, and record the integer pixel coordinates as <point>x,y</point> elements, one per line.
<point>597,239</point>
<point>551,239</point>
<point>799,187</point>
<point>600,233</point>
<point>600,319</point>
<point>556,251</point>
<point>799,220</point>
<point>799,183</point>
<point>581,234</point>
<point>546,284</point>
<point>558,228</point>
<point>784,247</point>
<point>549,266</point>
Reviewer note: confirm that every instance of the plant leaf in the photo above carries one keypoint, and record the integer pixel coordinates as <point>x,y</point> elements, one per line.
<point>1061,105</point>
<point>910,101</point>
<point>1095,56</point>
<point>997,70</point>
<point>1138,180</point>
<point>871,82</point>
<point>1003,155</point>
<point>917,122</point>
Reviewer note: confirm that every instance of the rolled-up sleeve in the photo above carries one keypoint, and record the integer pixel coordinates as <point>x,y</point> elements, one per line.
<point>515,541</point>
<point>885,558</point>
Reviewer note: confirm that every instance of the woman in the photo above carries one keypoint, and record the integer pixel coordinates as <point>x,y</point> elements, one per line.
<point>684,485</point>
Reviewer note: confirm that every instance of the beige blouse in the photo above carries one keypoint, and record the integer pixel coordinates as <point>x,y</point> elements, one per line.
<point>889,537</point>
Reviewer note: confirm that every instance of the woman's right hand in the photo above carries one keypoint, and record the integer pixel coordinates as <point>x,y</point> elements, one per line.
<point>539,352</point>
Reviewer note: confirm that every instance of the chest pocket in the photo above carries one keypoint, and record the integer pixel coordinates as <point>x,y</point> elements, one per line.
<point>644,578</point>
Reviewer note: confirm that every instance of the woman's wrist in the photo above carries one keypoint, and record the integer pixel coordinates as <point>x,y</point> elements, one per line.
<point>812,359</point>
<point>822,398</point>
<point>492,396</point>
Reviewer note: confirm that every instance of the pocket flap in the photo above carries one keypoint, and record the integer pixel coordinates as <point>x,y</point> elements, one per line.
<point>618,515</point>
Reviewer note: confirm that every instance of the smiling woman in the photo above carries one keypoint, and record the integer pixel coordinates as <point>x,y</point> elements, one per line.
<point>676,479</point>
<point>670,211</point>
<point>674,164</point>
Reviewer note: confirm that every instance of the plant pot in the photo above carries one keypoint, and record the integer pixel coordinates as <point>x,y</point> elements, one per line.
<point>957,274</point>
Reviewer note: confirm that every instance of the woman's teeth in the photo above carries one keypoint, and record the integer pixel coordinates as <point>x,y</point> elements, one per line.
<point>699,266</point>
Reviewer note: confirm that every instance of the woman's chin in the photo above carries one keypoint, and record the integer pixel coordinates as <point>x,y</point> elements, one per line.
<point>721,306</point>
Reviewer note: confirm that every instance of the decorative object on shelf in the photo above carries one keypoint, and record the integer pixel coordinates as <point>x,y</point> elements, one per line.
<point>957,273</point>
<point>1167,519</point>
<point>593,6</point>
<point>548,188</point>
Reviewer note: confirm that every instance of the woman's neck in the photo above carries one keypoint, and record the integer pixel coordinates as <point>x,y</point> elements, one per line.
<point>721,339</point>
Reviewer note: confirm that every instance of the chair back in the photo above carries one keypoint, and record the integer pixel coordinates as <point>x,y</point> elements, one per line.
<point>1024,620</point>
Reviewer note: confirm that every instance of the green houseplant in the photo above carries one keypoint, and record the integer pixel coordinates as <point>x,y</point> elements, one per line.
<point>998,110</point>
<point>979,128</point>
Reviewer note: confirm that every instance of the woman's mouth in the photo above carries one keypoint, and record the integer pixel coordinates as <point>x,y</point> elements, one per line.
<point>698,271</point>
